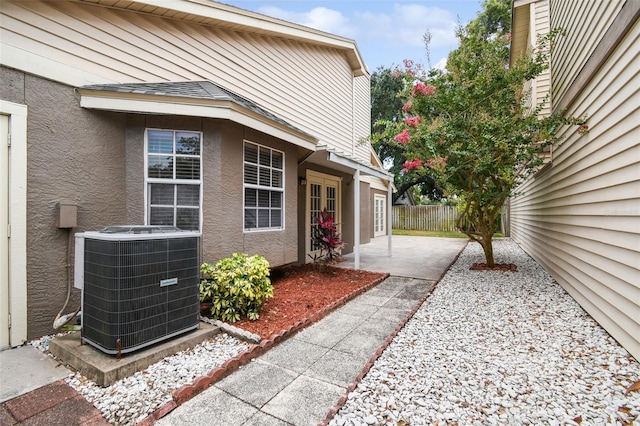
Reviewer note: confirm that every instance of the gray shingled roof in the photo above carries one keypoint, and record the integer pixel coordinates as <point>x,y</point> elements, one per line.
<point>205,90</point>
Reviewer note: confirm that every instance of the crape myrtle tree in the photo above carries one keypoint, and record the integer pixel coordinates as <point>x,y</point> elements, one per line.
<point>387,100</point>
<point>473,126</point>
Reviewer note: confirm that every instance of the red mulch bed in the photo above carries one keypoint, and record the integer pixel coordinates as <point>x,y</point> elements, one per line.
<point>509,267</point>
<point>300,291</point>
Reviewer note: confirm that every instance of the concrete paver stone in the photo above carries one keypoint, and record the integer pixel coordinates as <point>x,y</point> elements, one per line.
<point>212,407</point>
<point>294,355</point>
<point>304,402</point>
<point>257,382</point>
<point>262,419</point>
<point>339,368</point>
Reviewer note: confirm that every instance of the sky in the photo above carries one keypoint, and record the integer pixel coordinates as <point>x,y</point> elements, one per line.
<point>386,31</point>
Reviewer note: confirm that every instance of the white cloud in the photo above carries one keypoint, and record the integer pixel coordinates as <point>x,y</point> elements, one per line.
<point>441,64</point>
<point>407,24</point>
<point>320,18</point>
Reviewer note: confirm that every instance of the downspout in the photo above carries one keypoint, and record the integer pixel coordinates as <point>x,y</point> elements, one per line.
<point>356,218</point>
<point>389,213</point>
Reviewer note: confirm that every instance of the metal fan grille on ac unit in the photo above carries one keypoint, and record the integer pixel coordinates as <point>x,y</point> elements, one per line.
<point>139,291</point>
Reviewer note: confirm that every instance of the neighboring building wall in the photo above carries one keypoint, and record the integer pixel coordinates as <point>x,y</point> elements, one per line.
<point>541,86</point>
<point>580,218</point>
<point>585,24</point>
<point>309,85</point>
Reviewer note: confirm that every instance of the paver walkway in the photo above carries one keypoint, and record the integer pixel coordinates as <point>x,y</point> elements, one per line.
<point>300,380</point>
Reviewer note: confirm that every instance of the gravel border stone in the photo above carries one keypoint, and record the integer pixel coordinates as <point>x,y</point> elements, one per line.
<point>497,348</point>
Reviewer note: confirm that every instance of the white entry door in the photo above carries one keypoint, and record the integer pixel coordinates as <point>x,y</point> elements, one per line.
<point>4,232</point>
<point>380,216</point>
<point>323,191</point>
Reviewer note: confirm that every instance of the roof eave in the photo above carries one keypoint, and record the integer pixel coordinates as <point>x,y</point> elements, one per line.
<point>164,105</point>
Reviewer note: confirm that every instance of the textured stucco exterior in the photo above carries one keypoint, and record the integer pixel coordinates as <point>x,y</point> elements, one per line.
<point>75,157</point>
<point>95,160</point>
<point>366,222</point>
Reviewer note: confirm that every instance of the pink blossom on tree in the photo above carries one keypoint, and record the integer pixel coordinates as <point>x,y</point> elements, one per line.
<point>412,121</point>
<point>410,165</point>
<point>423,89</point>
<point>406,107</point>
<point>402,137</point>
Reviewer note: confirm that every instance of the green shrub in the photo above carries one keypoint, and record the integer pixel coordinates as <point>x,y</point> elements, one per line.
<point>236,286</point>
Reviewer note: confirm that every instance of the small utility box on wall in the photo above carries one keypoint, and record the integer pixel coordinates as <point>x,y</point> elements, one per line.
<point>67,215</point>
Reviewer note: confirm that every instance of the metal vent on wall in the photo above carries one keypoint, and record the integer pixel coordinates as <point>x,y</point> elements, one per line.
<point>139,285</point>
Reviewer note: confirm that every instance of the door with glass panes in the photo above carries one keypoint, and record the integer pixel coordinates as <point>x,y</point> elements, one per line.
<point>323,191</point>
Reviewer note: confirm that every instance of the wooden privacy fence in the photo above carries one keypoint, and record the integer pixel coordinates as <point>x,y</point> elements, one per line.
<point>425,218</point>
<point>438,218</point>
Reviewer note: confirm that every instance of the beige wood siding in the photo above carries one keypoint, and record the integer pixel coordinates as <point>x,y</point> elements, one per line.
<point>581,218</point>
<point>540,27</point>
<point>585,23</point>
<point>362,116</point>
<point>309,85</point>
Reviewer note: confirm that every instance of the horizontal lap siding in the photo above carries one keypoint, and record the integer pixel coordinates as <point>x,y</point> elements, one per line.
<point>540,27</point>
<point>585,23</point>
<point>310,86</point>
<point>362,114</point>
<point>581,218</point>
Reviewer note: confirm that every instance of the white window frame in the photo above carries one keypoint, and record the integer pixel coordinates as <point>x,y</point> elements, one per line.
<point>262,187</point>
<point>173,181</point>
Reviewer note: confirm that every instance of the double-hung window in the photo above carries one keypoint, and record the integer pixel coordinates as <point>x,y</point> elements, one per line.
<point>173,178</point>
<point>263,187</point>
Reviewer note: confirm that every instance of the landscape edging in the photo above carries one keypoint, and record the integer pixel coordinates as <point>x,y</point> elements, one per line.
<point>186,392</point>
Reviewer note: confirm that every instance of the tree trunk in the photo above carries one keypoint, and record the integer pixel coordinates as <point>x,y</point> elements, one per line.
<point>487,246</point>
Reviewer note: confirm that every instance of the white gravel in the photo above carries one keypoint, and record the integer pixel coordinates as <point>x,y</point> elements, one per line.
<point>131,399</point>
<point>498,348</point>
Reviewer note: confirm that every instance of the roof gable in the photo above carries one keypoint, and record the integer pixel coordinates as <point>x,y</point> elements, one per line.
<point>230,17</point>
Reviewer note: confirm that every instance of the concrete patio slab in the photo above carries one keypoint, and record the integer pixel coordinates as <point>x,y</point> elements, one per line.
<point>18,375</point>
<point>417,257</point>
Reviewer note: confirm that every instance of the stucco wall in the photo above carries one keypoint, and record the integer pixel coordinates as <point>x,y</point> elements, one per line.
<point>366,213</point>
<point>222,166</point>
<point>74,156</point>
<point>95,159</point>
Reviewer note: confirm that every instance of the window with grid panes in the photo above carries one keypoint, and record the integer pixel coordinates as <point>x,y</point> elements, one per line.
<point>173,178</point>
<point>263,187</point>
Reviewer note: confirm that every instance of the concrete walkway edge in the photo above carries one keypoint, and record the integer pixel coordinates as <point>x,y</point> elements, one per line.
<point>353,385</point>
<point>185,393</point>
